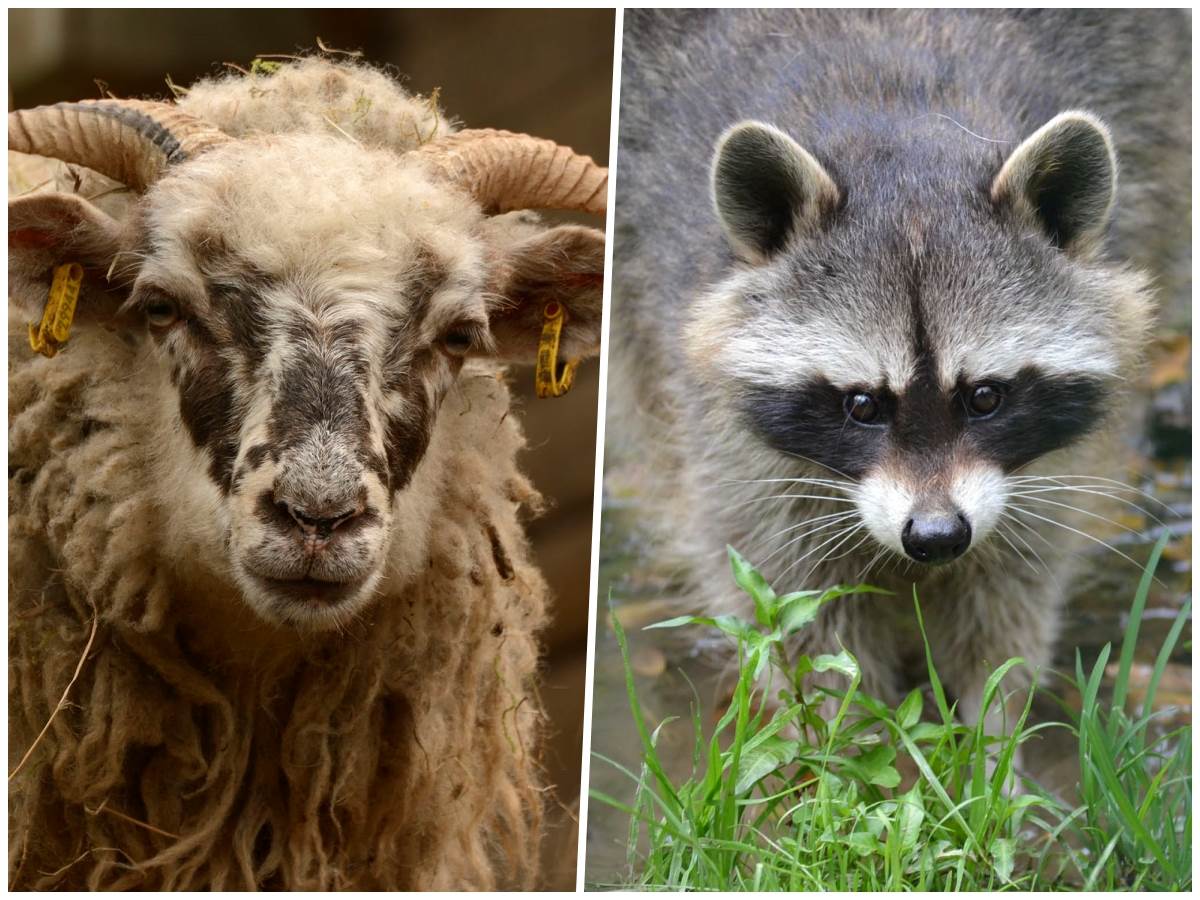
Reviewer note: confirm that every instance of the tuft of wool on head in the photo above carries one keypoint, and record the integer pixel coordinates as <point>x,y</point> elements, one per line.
<point>317,96</point>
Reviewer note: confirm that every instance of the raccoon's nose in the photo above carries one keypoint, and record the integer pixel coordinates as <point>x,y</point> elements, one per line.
<point>936,538</point>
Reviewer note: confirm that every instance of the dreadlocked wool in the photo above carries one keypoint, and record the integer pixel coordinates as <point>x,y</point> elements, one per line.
<point>201,750</point>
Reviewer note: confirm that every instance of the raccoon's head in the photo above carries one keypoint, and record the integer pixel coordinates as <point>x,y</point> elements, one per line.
<point>923,322</point>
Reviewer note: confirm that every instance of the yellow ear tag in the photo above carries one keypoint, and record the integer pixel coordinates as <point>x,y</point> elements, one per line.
<point>552,378</point>
<point>48,337</point>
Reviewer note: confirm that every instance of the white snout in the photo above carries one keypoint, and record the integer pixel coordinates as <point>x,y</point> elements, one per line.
<point>885,504</point>
<point>977,491</point>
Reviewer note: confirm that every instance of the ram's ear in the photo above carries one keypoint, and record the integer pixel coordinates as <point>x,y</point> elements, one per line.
<point>563,265</point>
<point>1063,179</point>
<point>767,188</point>
<point>48,230</point>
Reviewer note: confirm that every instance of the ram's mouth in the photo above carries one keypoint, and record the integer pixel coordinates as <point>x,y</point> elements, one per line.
<point>309,591</point>
<point>305,602</point>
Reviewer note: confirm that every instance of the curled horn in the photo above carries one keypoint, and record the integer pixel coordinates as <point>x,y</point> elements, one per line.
<point>131,141</point>
<point>506,171</point>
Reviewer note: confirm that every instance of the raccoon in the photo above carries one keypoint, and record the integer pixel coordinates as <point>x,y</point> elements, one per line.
<point>880,295</point>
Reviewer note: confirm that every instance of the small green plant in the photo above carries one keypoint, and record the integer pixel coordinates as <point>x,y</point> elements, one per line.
<point>1135,786</point>
<point>798,787</point>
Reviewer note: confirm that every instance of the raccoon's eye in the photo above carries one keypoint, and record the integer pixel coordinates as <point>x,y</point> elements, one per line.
<point>862,408</point>
<point>984,400</point>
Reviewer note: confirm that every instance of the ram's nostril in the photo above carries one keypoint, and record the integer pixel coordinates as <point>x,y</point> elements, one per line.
<point>321,521</point>
<point>325,523</point>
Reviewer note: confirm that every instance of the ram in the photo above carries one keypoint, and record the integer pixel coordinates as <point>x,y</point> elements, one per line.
<point>273,619</point>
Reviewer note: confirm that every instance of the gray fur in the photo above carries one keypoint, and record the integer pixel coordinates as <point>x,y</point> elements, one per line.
<point>913,115</point>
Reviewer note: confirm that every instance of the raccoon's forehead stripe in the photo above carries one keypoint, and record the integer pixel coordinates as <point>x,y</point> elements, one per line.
<point>776,351</point>
<point>826,348</point>
<point>771,343</point>
<point>1051,348</point>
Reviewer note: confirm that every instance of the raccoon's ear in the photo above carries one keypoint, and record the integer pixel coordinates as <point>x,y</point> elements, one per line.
<point>1064,178</point>
<point>767,188</point>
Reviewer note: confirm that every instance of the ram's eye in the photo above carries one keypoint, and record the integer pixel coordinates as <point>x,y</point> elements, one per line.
<point>984,399</point>
<point>161,312</point>
<point>458,341</point>
<point>862,408</point>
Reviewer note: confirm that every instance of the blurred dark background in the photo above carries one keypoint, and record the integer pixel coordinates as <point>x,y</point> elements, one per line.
<point>546,72</point>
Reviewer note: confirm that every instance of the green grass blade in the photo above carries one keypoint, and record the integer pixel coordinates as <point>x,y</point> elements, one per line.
<point>1164,655</point>
<point>1129,642</point>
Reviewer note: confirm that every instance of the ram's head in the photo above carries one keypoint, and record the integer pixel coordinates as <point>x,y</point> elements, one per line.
<point>306,304</point>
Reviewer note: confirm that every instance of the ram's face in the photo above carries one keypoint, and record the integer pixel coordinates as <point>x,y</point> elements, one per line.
<point>310,402</point>
<point>307,305</point>
<point>308,357</point>
<point>310,399</point>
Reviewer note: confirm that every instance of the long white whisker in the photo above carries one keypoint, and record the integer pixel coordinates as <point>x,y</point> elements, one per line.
<point>1076,509</point>
<point>847,552</point>
<point>1088,489</point>
<point>1061,479</point>
<point>1045,540</point>
<point>1056,548</point>
<point>844,532</point>
<point>1018,537</point>
<point>1015,507</point>
<point>835,516</point>
<point>791,497</point>
<point>795,540</point>
<point>874,559</point>
<point>1020,555</point>
<point>828,553</point>
<point>847,486</point>
<point>809,459</point>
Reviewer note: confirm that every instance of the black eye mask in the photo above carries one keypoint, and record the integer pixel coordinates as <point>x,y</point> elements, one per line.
<point>1038,413</point>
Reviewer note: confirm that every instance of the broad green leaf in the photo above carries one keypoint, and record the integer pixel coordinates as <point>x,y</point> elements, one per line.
<point>863,843</point>
<point>842,663</point>
<point>909,712</point>
<point>880,817</point>
<point>876,766</point>
<point>734,627</point>
<point>926,731</point>
<point>750,580</point>
<point>797,595</point>
<point>909,816</point>
<point>1003,858</point>
<point>842,590</point>
<point>680,620</point>
<point>797,612</point>
<point>803,666</point>
<point>762,759</point>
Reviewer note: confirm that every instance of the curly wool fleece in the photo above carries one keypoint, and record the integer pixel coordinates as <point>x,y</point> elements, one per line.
<point>315,96</point>
<point>400,754</point>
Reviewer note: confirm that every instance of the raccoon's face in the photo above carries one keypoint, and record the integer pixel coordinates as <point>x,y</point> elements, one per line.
<point>923,344</point>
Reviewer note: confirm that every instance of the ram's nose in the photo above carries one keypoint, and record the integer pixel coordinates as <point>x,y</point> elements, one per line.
<point>321,522</point>
<point>319,514</point>
<point>936,537</point>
